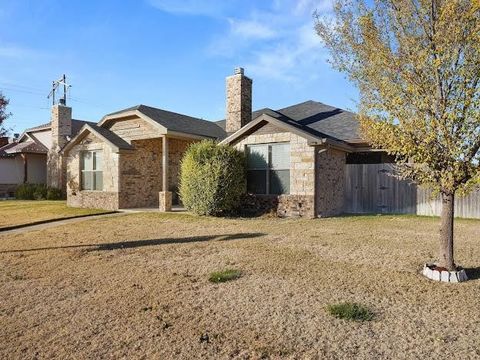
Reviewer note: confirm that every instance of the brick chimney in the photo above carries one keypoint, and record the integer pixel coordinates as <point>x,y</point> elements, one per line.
<point>61,127</point>
<point>239,101</point>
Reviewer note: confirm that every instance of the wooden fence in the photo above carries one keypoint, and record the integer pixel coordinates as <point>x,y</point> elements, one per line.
<point>372,189</point>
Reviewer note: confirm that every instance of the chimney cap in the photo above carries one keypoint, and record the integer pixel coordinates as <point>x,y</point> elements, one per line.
<point>238,71</point>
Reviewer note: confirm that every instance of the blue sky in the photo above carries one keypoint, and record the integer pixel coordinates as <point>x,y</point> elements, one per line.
<point>172,54</point>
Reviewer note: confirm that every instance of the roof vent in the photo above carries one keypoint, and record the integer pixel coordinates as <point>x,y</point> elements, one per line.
<point>238,71</point>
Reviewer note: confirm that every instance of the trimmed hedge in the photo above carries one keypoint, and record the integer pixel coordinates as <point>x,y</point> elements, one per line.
<point>38,192</point>
<point>212,178</point>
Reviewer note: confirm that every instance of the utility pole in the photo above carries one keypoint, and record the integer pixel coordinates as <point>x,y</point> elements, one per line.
<point>55,86</point>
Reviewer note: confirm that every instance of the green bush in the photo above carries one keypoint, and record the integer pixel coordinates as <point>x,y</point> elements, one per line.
<point>350,311</point>
<point>212,178</point>
<point>25,192</point>
<point>55,194</point>
<point>40,192</point>
<point>225,275</point>
<point>37,192</point>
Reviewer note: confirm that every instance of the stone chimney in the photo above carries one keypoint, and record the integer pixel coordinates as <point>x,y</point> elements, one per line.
<point>61,127</point>
<point>61,123</point>
<point>239,101</point>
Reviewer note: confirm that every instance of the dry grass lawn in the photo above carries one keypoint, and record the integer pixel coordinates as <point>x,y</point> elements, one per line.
<point>19,212</point>
<point>137,287</point>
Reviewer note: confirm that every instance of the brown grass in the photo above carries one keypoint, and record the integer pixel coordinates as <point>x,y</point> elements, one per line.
<point>137,286</point>
<point>19,212</point>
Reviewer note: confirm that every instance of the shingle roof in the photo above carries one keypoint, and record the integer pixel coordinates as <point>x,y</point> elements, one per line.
<point>318,117</point>
<point>27,147</point>
<point>178,122</point>
<point>76,126</point>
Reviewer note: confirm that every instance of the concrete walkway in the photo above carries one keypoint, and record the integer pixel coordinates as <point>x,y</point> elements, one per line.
<point>58,222</point>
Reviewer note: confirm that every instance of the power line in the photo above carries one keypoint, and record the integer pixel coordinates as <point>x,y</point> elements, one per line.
<point>20,90</point>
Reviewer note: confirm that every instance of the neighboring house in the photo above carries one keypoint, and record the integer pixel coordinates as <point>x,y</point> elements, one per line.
<point>24,160</point>
<point>296,155</point>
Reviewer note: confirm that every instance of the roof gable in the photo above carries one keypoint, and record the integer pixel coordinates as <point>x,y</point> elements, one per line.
<point>170,121</point>
<point>111,139</point>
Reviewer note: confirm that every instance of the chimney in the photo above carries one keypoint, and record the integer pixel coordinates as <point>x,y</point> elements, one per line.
<point>61,125</point>
<point>61,122</point>
<point>239,101</point>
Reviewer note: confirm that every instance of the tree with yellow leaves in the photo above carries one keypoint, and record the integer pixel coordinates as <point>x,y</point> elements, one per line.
<point>416,64</point>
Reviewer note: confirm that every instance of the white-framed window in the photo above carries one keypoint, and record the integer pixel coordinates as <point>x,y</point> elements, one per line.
<point>268,168</point>
<point>91,170</point>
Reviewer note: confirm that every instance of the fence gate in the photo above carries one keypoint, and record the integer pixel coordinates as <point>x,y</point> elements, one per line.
<point>372,189</point>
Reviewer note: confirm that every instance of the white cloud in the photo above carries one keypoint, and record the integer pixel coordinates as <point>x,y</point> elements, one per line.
<point>211,8</point>
<point>251,29</point>
<point>291,58</point>
<point>279,43</point>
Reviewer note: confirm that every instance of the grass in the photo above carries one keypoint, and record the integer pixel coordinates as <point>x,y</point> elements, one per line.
<point>21,212</point>
<point>224,275</point>
<point>350,311</point>
<point>136,286</point>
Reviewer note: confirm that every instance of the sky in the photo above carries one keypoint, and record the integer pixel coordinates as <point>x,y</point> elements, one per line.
<point>170,54</point>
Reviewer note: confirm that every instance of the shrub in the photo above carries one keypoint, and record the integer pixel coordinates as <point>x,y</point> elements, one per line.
<point>40,192</point>
<point>212,178</point>
<point>54,194</point>
<point>350,311</point>
<point>37,192</point>
<point>225,275</point>
<point>25,192</point>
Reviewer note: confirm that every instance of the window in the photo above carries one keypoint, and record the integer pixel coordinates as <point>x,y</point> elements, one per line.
<point>91,170</point>
<point>268,169</point>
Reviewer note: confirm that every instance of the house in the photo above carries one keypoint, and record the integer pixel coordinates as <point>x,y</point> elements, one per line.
<point>296,155</point>
<point>24,160</point>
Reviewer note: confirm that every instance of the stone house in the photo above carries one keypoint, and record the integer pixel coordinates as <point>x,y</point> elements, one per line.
<point>296,155</point>
<point>24,159</point>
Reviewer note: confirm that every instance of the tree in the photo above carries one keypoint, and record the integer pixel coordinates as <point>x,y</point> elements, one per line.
<point>416,64</point>
<point>4,115</point>
<point>212,178</point>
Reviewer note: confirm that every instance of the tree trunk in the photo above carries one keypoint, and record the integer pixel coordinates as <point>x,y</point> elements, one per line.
<point>446,232</point>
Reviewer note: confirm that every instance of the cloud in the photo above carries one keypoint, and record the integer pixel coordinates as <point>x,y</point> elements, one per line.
<point>212,8</point>
<point>251,29</point>
<point>278,43</point>
<point>291,59</point>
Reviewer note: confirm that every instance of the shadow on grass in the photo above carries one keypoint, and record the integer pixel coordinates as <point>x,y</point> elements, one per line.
<point>143,243</point>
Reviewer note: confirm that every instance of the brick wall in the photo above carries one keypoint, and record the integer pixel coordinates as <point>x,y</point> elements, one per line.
<point>140,174</point>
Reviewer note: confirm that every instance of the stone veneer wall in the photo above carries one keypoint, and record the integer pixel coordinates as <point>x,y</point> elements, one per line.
<point>330,182</point>
<point>107,199</point>
<point>301,200</point>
